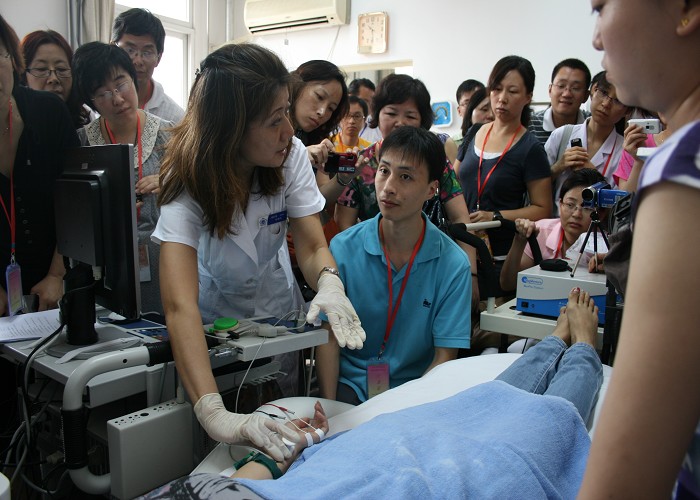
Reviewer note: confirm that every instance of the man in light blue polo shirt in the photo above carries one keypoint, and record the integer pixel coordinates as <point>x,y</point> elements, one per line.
<point>429,280</point>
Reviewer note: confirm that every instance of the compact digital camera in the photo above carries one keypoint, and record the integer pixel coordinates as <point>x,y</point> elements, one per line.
<point>648,125</point>
<point>341,163</point>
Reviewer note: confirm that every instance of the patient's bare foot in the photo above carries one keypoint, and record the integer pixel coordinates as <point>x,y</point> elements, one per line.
<point>562,329</point>
<point>582,314</point>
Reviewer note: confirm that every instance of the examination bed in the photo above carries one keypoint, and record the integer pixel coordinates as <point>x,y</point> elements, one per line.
<point>443,381</point>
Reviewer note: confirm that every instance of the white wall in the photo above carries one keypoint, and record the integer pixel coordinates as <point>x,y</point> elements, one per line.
<point>447,40</point>
<point>451,40</point>
<point>26,16</point>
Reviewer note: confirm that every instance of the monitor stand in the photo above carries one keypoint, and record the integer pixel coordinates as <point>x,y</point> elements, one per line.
<point>106,334</point>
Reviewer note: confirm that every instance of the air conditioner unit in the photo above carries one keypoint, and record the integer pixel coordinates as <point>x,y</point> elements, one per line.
<point>270,16</point>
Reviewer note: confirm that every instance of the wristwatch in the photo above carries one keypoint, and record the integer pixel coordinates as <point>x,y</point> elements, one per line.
<point>331,270</point>
<point>497,215</point>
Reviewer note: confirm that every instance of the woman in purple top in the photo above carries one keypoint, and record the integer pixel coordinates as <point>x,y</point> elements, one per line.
<point>652,408</point>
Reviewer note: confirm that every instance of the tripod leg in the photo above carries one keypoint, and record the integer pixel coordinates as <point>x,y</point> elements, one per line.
<point>583,248</point>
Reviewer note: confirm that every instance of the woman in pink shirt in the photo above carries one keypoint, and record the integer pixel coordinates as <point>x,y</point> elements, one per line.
<point>558,238</point>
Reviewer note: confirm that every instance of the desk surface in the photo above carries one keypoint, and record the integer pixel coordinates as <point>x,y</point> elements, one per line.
<point>506,319</point>
<point>119,384</point>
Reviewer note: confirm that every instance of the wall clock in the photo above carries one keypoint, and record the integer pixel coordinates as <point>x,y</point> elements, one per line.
<point>372,32</point>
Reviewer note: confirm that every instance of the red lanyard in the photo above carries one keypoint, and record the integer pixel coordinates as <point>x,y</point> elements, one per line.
<point>138,141</point>
<point>11,216</point>
<point>605,169</point>
<point>557,254</point>
<point>391,311</point>
<point>150,94</point>
<point>479,186</point>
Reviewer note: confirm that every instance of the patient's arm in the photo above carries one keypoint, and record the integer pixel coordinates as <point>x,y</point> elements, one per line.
<point>442,354</point>
<point>254,470</point>
<point>328,366</point>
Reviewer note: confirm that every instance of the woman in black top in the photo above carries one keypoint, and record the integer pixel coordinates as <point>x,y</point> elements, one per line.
<point>35,130</point>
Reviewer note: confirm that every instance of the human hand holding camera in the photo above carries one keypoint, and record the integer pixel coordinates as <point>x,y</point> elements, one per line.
<point>635,137</point>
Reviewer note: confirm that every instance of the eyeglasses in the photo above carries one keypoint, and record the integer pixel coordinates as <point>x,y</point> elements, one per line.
<point>146,55</point>
<point>463,104</point>
<point>122,89</point>
<point>607,97</point>
<point>355,116</point>
<point>569,207</point>
<point>574,89</point>
<point>46,72</point>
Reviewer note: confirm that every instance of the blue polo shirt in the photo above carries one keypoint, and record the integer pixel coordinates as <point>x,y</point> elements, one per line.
<point>434,312</point>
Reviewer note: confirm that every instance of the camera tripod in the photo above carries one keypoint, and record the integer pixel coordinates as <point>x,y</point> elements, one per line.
<point>593,228</point>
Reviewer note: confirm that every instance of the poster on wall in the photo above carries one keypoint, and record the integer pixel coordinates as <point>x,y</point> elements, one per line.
<point>442,114</point>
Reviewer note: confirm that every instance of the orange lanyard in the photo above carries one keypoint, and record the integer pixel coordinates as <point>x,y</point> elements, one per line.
<point>392,310</point>
<point>480,187</point>
<point>138,141</point>
<point>11,215</point>
<point>138,145</point>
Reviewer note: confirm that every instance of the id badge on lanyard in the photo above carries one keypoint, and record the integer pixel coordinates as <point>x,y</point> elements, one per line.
<point>15,297</point>
<point>377,377</point>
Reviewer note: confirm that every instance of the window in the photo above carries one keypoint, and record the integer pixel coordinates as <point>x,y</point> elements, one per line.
<point>179,17</point>
<point>174,9</point>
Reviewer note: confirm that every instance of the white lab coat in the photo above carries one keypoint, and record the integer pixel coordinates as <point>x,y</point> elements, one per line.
<point>248,273</point>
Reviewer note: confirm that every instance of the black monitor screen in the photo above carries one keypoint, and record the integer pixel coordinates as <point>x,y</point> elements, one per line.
<point>96,224</point>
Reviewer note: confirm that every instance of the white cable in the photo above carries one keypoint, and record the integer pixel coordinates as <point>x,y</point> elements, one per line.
<point>238,393</point>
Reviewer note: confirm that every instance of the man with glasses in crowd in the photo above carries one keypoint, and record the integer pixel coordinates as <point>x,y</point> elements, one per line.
<point>349,135</point>
<point>142,36</point>
<point>571,79</point>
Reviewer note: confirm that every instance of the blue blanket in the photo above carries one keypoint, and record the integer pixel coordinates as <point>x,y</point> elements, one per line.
<point>490,441</point>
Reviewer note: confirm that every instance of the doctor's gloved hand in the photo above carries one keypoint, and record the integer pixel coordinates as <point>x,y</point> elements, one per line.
<point>227,427</point>
<point>331,299</point>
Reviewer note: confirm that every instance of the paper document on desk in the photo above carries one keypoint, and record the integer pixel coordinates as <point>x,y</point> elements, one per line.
<point>28,326</point>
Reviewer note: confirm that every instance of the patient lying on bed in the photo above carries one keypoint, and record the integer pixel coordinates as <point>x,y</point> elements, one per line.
<point>493,440</point>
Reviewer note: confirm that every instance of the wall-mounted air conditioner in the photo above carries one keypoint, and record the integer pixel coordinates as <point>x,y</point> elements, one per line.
<point>270,16</point>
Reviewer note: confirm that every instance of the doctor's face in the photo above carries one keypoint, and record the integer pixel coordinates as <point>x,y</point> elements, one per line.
<point>266,141</point>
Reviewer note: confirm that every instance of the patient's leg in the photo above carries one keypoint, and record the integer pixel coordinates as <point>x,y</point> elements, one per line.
<point>580,372</point>
<point>533,371</point>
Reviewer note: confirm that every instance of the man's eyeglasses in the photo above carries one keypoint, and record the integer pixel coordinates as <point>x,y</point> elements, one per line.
<point>567,206</point>
<point>146,55</point>
<point>574,89</point>
<point>46,72</point>
<point>607,97</point>
<point>355,116</point>
<point>122,89</point>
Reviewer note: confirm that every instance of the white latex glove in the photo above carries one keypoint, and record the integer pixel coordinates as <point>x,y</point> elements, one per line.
<point>331,299</point>
<point>227,427</point>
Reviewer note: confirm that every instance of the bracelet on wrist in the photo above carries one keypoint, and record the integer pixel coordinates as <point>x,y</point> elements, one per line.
<point>342,183</point>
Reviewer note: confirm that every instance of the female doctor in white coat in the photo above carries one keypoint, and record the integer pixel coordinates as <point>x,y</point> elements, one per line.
<point>231,178</point>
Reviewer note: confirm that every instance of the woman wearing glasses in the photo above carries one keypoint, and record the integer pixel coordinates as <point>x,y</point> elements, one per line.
<point>559,238</point>
<point>35,129</point>
<point>601,138</point>
<point>48,57</point>
<point>106,80</point>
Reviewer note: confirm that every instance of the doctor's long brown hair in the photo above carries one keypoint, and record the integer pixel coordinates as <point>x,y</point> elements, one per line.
<point>235,86</point>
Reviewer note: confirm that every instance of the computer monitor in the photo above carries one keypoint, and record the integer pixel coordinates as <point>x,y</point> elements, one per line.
<point>96,233</point>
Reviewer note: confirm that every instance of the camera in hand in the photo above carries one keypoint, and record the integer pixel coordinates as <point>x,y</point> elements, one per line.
<point>600,195</point>
<point>341,163</point>
<point>576,142</point>
<point>648,125</point>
